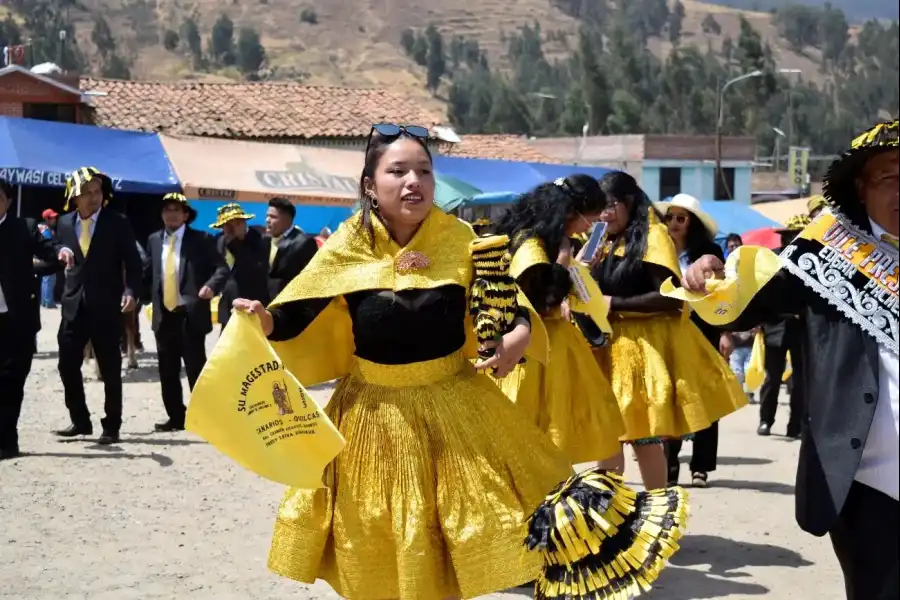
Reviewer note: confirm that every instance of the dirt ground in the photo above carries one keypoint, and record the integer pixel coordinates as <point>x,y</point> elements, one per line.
<point>166,516</point>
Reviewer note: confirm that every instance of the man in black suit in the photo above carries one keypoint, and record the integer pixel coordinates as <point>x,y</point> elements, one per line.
<point>183,262</point>
<point>246,255</point>
<point>290,250</point>
<point>841,278</point>
<point>782,337</point>
<point>103,280</point>
<point>20,244</point>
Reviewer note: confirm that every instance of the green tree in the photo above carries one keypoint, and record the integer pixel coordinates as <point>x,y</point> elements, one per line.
<point>436,63</point>
<point>408,40</point>
<point>102,36</point>
<point>676,21</point>
<point>190,35</point>
<point>222,41</point>
<point>420,51</point>
<point>834,31</point>
<point>171,40</point>
<point>594,84</point>
<point>798,25</point>
<point>710,25</point>
<point>250,52</point>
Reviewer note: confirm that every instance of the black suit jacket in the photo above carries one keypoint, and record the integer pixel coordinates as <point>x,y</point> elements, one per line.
<point>710,332</point>
<point>111,269</point>
<point>840,376</point>
<point>295,250</point>
<point>20,244</point>
<point>248,278</point>
<point>42,268</point>
<point>198,263</point>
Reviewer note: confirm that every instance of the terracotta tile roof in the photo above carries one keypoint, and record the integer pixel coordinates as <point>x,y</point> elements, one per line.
<point>500,146</point>
<point>248,110</point>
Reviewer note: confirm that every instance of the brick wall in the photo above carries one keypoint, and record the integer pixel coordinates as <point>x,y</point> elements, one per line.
<point>10,109</point>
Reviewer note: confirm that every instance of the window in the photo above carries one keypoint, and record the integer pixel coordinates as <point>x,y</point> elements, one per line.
<point>725,190</point>
<point>669,182</point>
<point>64,113</point>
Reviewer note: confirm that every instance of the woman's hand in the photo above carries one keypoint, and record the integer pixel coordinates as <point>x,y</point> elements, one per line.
<point>255,307</point>
<point>508,352</point>
<point>706,267</point>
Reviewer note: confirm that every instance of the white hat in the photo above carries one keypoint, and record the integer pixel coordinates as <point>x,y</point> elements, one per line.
<point>692,205</point>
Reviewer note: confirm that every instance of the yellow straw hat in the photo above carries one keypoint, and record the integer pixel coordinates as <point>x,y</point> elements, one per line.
<point>230,212</point>
<point>178,198</point>
<point>839,184</point>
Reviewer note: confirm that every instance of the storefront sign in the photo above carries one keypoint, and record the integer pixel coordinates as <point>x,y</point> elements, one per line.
<point>300,176</point>
<point>43,178</point>
<point>798,159</point>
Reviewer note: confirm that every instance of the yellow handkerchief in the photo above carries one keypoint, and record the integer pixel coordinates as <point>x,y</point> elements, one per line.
<point>747,270</point>
<point>587,298</point>
<point>255,412</point>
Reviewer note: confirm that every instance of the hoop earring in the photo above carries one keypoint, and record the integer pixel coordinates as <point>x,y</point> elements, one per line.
<point>373,199</point>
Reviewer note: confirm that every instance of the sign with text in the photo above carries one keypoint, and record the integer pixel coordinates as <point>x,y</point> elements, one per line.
<point>798,164</point>
<point>41,178</point>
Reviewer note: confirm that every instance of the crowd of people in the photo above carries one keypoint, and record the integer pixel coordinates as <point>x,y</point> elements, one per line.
<point>494,381</point>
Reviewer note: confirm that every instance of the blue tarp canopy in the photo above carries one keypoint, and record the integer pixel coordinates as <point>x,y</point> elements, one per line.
<point>734,217</point>
<point>505,176</point>
<point>43,153</point>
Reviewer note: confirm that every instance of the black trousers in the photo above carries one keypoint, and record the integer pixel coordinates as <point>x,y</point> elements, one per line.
<point>176,342</point>
<point>704,456</point>
<point>776,362</point>
<point>104,334</point>
<point>16,353</point>
<point>865,542</point>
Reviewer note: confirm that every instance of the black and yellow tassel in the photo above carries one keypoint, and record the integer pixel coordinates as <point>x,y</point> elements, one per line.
<point>492,300</point>
<point>601,540</point>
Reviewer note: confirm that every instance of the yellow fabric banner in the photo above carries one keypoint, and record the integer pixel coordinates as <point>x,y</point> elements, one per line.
<point>254,411</point>
<point>756,370</point>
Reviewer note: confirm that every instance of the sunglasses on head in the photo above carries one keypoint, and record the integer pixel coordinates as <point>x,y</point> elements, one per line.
<point>680,219</point>
<point>392,130</point>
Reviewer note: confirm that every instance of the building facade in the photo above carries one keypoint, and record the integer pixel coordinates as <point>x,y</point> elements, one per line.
<point>666,165</point>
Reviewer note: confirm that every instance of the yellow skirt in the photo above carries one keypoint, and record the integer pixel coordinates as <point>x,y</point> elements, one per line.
<point>667,378</point>
<point>570,398</point>
<point>429,498</point>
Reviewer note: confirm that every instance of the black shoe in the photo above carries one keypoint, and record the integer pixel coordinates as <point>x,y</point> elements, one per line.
<point>794,434</point>
<point>169,425</point>
<point>75,430</point>
<point>6,453</point>
<point>764,429</point>
<point>108,437</point>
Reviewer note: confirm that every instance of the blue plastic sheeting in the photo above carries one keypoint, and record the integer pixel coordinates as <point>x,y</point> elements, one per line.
<point>310,219</point>
<point>43,153</point>
<point>734,217</point>
<point>493,198</point>
<point>506,176</point>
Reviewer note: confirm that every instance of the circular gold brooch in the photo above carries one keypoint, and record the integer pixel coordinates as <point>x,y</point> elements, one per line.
<point>411,261</point>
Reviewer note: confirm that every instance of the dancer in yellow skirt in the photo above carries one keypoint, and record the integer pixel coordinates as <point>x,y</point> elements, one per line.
<point>430,498</point>
<point>569,398</point>
<point>668,380</point>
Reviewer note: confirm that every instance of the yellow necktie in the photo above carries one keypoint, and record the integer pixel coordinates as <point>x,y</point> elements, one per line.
<point>84,238</point>
<point>893,241</point>
<point>229,259</point>
<point>170,279</point>
<point>273,250</point>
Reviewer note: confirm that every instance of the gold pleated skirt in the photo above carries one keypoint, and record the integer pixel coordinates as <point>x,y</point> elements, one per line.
<point>569,399</point>
<point>667,378</point>
<point>428,500</point>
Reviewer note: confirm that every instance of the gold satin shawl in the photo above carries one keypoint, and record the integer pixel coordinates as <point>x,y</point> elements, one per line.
<point>347,263</point>
<point>660,248</point>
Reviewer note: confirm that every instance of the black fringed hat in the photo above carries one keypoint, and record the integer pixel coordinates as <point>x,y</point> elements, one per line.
<point>839,185</point>
<point>179,199</point>
<point>79,177</point>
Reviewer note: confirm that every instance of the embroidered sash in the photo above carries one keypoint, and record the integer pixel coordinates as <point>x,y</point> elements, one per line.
<point>851,269</point>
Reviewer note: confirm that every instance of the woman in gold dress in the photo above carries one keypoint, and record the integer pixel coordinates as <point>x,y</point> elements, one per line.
<point>430,498</point>
<point>569,398</point>
<point>668,380</point>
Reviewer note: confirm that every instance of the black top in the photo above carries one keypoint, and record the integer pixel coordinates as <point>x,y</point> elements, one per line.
<point>391,328</point>
<point>295,250</point>
<point>637,291</point>
<point>545,285</point>
<point>20,244</point>
<point>248,278</point>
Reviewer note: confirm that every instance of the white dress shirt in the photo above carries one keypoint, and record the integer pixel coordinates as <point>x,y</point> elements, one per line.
<point>3,307</point>
<point>179,237</point>
<point>79,220</point>
<point>879,467</point>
